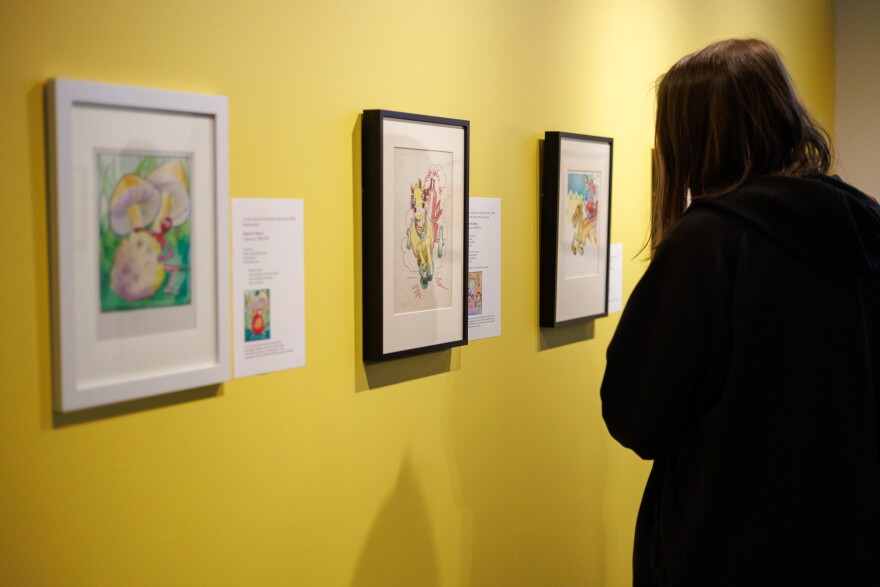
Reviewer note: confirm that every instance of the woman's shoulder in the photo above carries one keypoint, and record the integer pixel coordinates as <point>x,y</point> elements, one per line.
<point>792,211</point>
<point>701,229</point>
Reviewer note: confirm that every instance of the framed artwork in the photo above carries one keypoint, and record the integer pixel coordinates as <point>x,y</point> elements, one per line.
<point>139,226</point>
<point>575,221</point>
<point>415,200</point>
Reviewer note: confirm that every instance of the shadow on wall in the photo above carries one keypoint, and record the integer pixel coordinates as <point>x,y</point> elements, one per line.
<point>399,549</point>
<point>64,419</point>
<point>361,383</point>
<point>565,335</point>
<point>411,368</point>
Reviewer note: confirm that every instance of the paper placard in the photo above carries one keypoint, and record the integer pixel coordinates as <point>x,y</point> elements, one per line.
<point>484,268</point>
<point>615,277</point>
<point>268,300</point>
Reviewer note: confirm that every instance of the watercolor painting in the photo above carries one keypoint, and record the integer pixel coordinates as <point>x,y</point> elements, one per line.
<point>475,293</point>
<point>583,206</point>
<point>423,204</point>
<point>144,230</point>
<point>256,315</point>
<point>581,235</point>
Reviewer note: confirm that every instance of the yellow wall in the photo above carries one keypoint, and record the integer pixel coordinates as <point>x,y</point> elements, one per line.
<point>487,465</point>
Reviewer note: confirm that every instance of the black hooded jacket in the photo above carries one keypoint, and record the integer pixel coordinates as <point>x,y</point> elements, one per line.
<point>747,366</point>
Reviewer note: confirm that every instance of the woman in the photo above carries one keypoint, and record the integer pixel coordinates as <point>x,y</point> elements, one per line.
<point>747,361</point>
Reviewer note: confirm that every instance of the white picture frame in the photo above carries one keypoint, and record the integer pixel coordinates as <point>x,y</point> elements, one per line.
<point>140,290</point>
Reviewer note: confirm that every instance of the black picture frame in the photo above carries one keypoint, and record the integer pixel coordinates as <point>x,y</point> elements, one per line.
<point>574,228</point>
<point>415,177</point>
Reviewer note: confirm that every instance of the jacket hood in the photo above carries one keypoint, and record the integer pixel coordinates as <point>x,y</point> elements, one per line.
<point>819,219</point>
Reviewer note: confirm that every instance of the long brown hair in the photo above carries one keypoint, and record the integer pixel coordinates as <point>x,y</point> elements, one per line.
<point>724,114</point>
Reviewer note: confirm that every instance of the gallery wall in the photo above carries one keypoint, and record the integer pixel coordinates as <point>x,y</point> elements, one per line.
<point>484,465</point>
<point>856,118</point>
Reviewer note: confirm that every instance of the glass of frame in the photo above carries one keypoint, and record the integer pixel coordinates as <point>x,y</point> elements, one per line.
<point>138,218</point>
<point>575,222</point>
<point>415,199</point>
